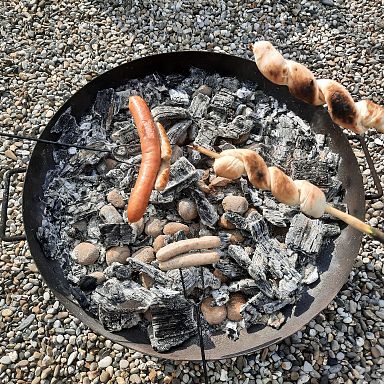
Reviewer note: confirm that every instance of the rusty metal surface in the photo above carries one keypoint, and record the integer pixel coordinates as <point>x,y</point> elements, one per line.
<point>335,269</point>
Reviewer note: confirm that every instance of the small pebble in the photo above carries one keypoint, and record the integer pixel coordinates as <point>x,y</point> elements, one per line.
<point>154,227</point>
<point>187,209</point>
<point>110,215</point>
<point>117,255</point>
<point>86,253</point>
<point>105,362</point>
<point>238,204</point>
<point>145,254</point>
<point>114,197</point>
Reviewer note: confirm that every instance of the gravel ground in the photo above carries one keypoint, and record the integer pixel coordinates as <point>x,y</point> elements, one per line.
<point>51,48</point>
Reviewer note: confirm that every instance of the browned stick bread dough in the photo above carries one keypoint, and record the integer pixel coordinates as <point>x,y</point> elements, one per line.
<point>357,117</point>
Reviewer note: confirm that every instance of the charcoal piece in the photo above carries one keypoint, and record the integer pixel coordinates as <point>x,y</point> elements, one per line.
<point>232,330</point>
<point>287,286</point>
<point>77,294</point>
<point>166,114</point>
<point>178,132</point>
<point>207,134</point>
<point>220,296</point>
<point>88,283</point>
<point>158,198</point>
<point>247,286</point>
<point>239,255</point>
<point>306,235</point>
<point>76,272</point>
<point>335,191</point>
<point>112,235</point>
<point>276,320</point>
<point>311,274</point>
<point>274,217</point>
<point>124,272</point>
<point>124,132</point>
<point>252,311</point>
<point>179,97</point>
<point>116,321</point>
<point>257,226</point>
<point>315,171</point>
<point>190,277</point>
<point>255,197</point>
<point>237,128</point>
<point>244,94</point>
<point>210,280</point>
<point>274,306</point>
<point>67,126</point>
<point>106,106</point>
<point>93,228</point>
<point>223,100</point>
<point>258,267</point>
<point>199,106</point>
<point>182,175</point>
<point>122,99</point>
<point>237,220</point>
<point>275,255</point>
<point>207,211</point>
<point>124,296</point>
<point>230,269</point>
<point>172,319</point>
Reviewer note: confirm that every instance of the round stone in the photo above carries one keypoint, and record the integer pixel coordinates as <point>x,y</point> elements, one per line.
<point>117,255</point>
<point>110,215</point>
<point>86,253</point>
<point>213,315</point>
<point>238,204</point>
<point>146,255</point>
<point>187,209</point>
<point>154,227</point>
<point>114,197</point>
<point>286,365</point>
<point>6,312</point>
<point>105,362</point>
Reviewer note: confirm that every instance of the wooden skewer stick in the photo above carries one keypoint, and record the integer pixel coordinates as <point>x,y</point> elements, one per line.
<point>355,223</point>
<point>346,217</point>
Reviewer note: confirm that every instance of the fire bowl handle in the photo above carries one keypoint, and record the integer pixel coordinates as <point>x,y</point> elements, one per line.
<point>371,166</point>
<point>3,218</point>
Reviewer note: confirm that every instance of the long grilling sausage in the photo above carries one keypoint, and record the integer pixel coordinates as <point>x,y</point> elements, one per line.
<point>151,158</point>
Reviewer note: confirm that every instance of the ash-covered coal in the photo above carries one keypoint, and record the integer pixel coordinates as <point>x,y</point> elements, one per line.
<point>269,257</point>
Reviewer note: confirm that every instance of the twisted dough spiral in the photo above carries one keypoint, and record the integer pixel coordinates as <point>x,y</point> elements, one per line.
<point>358,117</point>
<point>233,163</point>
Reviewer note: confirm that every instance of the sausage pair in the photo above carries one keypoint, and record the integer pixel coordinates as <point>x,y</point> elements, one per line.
<point>155,162</point>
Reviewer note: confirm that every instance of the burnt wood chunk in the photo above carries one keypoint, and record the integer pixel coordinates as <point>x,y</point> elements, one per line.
<point>106,106</point>
<point>315,171</point>
<point>172,320</point>
<point>112,235</point>
<point>307,235</point>
<point>207,135</point>
<point>230,269</point>
<point>166,114</point>
<point>252,312</point>
<point>237,128</point>
<point>199,106</point>
<point>178,132</point>
<point>179,97</point>
<point>223,100</point>
<point>207,211</point>
<point>239,255</point>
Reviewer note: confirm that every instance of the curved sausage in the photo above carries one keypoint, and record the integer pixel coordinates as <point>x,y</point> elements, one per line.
<point>151,158</point>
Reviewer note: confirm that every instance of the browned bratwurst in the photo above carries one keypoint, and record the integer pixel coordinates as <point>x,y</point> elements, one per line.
<point>151,158</point>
